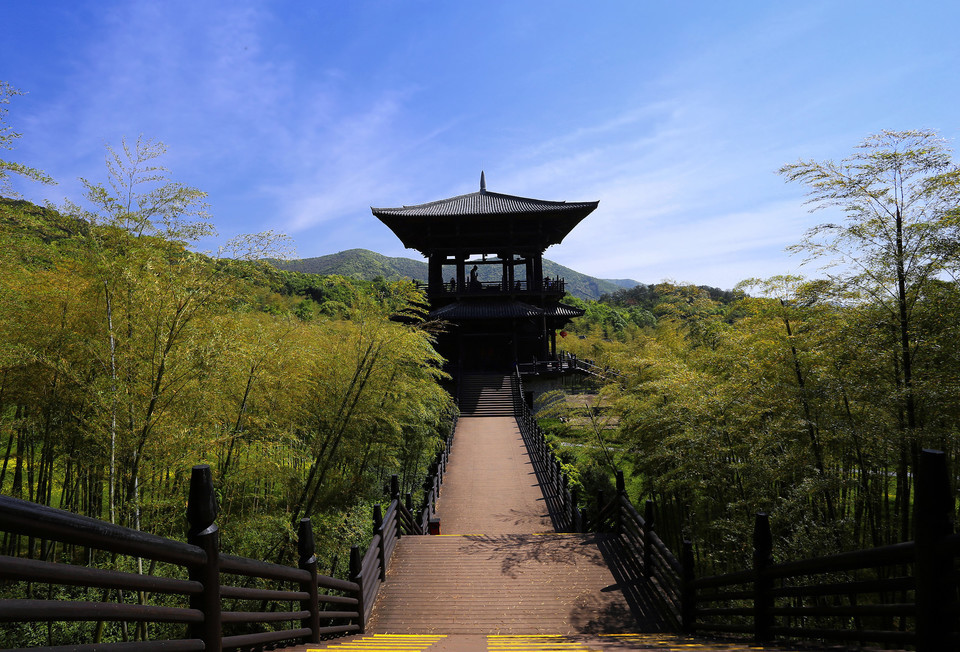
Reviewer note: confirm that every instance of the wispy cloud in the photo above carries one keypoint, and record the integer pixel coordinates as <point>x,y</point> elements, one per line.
<point>297,118</point>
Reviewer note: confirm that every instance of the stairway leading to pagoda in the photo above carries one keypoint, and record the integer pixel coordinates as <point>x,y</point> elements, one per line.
<point>486,395</point>
<point>499,577</point>
<point>499,567</point>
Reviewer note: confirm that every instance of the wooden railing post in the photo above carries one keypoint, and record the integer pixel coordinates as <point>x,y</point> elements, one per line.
<point>395,497</point>
<point>688,594</point>
<point>357,576</point>
<point>598,523</point>
<point>381,549</point>
<point>648,529</point>
<point>408,502</point>
<point>576,524</point>
<point>621,493</point>
<point>762,584</point>
<point>308,562</point>
<point>202,512</point>
<point>933,520</point>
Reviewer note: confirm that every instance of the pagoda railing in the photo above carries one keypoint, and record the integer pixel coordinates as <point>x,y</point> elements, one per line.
<point>566,363</point>
<point>546,286</point>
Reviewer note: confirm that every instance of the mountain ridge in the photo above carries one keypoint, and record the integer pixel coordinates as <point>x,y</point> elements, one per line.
<point>366,265</point>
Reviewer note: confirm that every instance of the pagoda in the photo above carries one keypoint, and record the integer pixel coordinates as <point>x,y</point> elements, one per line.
<point>485,279</point>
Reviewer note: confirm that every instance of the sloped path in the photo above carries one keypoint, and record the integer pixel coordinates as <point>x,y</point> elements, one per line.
<point>498,567</point>
<point>499,579</point>
<point>491,487</point>
<point>526,643</point>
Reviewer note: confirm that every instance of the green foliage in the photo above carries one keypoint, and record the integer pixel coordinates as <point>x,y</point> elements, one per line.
<point>126,358</point>
<point>7,138</point>
<point>808,399</point>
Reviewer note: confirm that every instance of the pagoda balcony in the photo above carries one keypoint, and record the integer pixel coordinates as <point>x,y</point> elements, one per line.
<point>551,287</point>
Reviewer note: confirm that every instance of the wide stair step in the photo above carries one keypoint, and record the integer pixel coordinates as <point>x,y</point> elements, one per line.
<point>506,584</point>
<point>486,395</point>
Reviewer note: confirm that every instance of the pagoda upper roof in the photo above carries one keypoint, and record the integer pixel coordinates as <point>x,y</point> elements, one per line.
<point>486,203</point>
<point>484,220</point>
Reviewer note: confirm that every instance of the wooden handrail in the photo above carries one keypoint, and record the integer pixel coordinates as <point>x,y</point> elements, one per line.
<point>206,566</point>
<point>31,519</point>
<point>204,590</point>
<point>859,608</point>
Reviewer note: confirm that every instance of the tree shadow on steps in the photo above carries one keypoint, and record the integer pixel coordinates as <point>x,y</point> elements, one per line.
<point>525,552</point>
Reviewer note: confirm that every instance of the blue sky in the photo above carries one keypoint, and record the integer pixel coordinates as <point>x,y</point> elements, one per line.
<point>299,116</point>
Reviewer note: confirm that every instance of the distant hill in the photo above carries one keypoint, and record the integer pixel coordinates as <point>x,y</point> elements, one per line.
<point>358,263</point>
<point>366,265</point>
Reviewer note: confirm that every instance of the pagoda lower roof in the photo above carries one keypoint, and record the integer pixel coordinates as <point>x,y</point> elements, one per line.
<point>465,310</point>
<point>484,220</point>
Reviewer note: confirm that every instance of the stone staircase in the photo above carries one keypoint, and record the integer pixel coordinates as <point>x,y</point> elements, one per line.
<point>486,395</point>
<point>501,584</point>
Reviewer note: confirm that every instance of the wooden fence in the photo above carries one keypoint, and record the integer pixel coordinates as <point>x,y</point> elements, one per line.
<point>561,501</point>
<point>568,363</point>
<point>901,594</point>
<point>644,549</point>
<point>905,594</point>
<point>289,596</point>
<point>288,604</point>
<point>369,570</point>
<point>547,285</point>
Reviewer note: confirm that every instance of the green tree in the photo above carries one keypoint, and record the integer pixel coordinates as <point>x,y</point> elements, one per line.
<point>900,194</point>
<point>7,138</point>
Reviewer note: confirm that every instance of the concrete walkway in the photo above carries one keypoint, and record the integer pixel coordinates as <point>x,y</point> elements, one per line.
<point>499,578</point>
<point>495,643</point>
<point>499,567</point>
<point>491,487</point>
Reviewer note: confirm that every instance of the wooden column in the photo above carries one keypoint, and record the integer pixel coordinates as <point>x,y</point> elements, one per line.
<point>308,562</point>
<point>357,576</point>
<point>461,274</point>
<point>933,513</point>
<point>762,584</point>
<point>688,595</point>
<point>435,273</point>
<point>202,510</point>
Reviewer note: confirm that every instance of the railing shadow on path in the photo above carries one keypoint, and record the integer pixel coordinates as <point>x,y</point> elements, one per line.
<point>642,591</point>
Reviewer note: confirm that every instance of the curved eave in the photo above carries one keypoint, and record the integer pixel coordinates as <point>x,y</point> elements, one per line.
<point>482,219</point>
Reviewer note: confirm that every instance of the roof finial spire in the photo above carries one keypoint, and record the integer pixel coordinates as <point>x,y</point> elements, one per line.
<point>483,182</point>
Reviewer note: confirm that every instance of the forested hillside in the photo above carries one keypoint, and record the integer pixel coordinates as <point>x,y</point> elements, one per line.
<point>806,399</point>
<point>126,358</point>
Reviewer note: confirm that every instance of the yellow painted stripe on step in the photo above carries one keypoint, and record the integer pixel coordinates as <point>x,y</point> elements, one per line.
<point>385,643</point>
<point>535,643</point>
<point>668,642</point>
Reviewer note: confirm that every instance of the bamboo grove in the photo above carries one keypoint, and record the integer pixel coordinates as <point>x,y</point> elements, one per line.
<point>126,358</point>
<point>809,399</point>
